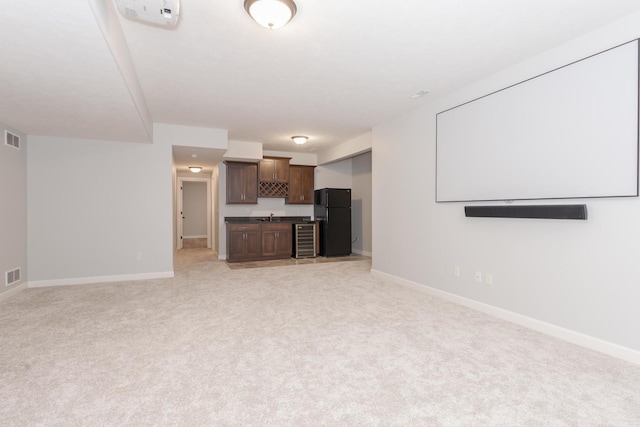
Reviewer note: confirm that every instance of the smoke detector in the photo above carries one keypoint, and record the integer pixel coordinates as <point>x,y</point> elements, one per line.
<point>157,12</point>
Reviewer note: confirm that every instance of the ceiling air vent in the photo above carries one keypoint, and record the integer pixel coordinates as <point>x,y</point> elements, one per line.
<point>11,139</point>
<point>12,277</point>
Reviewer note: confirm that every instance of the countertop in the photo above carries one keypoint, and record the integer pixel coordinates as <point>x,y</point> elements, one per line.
<point>261,219</point>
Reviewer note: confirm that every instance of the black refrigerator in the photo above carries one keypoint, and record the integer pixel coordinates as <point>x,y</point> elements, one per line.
<point>332,208</point>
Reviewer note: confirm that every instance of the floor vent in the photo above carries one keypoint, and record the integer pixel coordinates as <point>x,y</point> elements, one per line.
<point>12,277</point>
<point>11,139</point>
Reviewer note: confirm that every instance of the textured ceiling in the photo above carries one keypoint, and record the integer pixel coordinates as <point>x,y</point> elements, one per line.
<point>336,70</point>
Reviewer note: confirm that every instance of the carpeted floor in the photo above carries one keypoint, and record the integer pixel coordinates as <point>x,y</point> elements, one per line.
<point>294,261</point>
<point>194,243</point>
<point>321,344</point>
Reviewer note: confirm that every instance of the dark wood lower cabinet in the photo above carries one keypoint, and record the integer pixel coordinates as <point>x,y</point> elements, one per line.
<point>276,240</point>
<point>253,242</point>
<point>243,242</point>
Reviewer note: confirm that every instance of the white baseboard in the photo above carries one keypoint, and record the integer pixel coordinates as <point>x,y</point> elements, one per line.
<point>100,279</point>
<point>12,291</point>
<point>571,336</point>
<point>363,253</point>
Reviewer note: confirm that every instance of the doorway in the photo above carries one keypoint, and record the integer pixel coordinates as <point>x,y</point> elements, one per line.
<point>194,213</point>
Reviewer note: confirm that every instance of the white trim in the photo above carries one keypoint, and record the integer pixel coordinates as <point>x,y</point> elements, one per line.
<point>573,337</point>
<point>100,279</point>
<point>194,237</point>
<point>360,252</point>
<point>12,291</point>
<point>179,210</point>
<point>179,207</point>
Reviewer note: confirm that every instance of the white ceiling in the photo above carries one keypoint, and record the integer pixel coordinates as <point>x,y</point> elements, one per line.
<point>336,70</point>
<point>206,158</point>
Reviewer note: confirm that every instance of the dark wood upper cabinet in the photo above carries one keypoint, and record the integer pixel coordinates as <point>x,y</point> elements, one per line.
<point>242,183</point>
<point>274,177</point>
<point>271,177</point>
<point>274,169</point>
<point>301,185</point>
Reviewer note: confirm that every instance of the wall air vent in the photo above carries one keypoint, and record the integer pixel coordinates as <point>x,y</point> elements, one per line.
<point>12,277</point>
<point>11,139</point>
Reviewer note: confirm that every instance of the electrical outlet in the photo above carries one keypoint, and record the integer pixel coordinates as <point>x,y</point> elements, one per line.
<point>456,271</point>
<point>139,256</point>
<point>488,279</point>
<point>479,276</point>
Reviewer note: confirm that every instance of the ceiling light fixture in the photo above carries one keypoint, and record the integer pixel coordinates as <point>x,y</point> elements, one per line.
<point>195,169</point>
<point>271,14</point>
<point>299,139</point>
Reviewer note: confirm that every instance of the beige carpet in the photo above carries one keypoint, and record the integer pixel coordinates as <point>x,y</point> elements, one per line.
<point>194,243</point>
<point>294,261</point>
<point>303,345</point>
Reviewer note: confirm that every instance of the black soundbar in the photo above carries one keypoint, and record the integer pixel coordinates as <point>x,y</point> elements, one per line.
<point>528,211</point>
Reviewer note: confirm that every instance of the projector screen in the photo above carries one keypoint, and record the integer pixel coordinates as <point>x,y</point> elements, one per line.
<point>569,133</point>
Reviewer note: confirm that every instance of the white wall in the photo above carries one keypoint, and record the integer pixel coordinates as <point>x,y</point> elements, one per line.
<point>13,208</point>
<point>580,275</point>
<point>243,151</point>
<point>334,175</point>
<point>361,203</point>
<point>189,136</point>
<point>303,159</point>
<point>174,203</point>
<point>215,201</point>
<point>94,205</point>
<point>194,207</point>
<point>350,148</point>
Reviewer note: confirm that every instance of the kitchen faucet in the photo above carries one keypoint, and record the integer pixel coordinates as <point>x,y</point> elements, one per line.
<point>271,217</point>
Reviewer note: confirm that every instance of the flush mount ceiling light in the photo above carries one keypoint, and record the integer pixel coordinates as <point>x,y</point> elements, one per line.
<point>195,169</point>
<point>271,14</point>
<point>299,139</point>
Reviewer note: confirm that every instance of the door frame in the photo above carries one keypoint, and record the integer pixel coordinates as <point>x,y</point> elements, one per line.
<point>180,225</point>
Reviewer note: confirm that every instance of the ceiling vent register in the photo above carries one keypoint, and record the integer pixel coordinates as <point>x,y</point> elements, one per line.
<point>11,139</point>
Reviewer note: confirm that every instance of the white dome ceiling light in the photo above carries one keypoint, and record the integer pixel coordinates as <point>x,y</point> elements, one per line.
<point>299,139</point>
<point>271,14</point>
